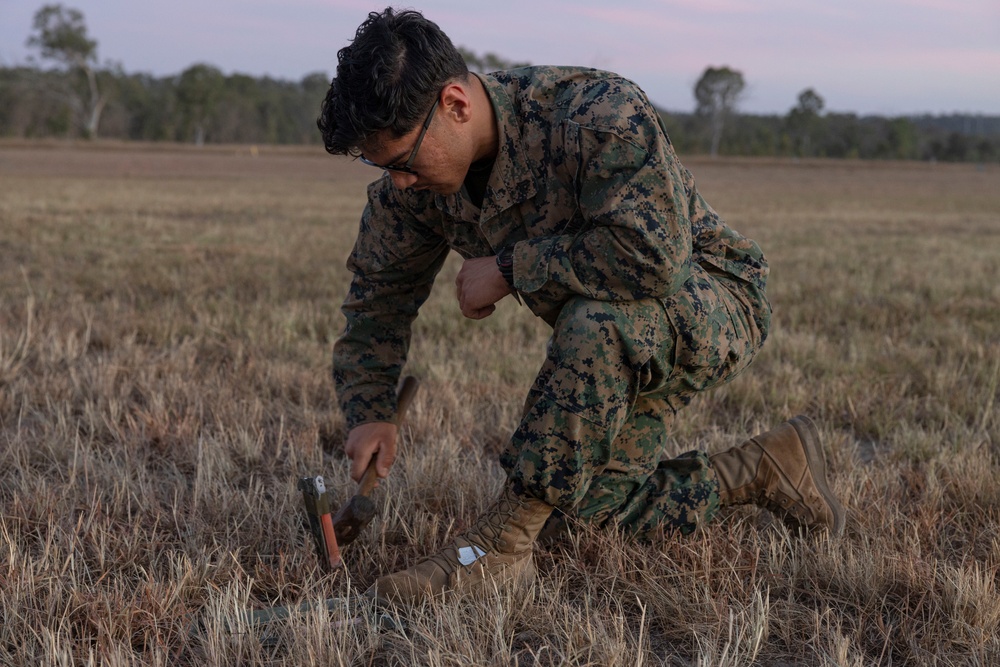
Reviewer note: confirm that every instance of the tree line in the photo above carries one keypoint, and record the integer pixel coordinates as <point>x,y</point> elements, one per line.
<point>201,105</point>
<point>806,131</point>
<point>77,97</point>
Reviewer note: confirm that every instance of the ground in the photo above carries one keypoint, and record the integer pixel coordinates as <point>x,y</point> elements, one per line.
<point>166,321</point>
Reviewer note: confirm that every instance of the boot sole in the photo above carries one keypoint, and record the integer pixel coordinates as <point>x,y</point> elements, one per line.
<point>813,446</point>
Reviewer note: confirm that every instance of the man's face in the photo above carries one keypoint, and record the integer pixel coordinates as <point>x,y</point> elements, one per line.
<point>430,157</point>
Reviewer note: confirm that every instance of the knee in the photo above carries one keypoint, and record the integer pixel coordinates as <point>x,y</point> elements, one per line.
<point>624,334</point>
<point>581,315</point>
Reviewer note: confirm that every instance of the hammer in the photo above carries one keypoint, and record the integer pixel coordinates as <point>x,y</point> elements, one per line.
<point>352,518</point>
<point>330,532</point>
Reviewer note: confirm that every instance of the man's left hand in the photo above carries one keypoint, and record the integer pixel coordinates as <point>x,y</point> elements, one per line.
<point>479,286</point>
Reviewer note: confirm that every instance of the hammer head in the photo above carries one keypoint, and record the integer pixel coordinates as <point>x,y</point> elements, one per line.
<point>352,519</point>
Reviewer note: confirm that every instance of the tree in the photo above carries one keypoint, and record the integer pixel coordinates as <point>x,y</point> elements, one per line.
<point>61,35</point>
<point>198,89</point>
<point>901,140</point>
<point>717,93</point>
<point>489,62</point>
<point>810,102</point>
<point>803,121</point>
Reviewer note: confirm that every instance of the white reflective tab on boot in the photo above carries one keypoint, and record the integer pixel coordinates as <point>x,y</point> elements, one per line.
<point>469,555</point>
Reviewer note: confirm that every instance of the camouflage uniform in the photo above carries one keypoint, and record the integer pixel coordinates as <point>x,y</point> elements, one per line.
<point>652,298</point>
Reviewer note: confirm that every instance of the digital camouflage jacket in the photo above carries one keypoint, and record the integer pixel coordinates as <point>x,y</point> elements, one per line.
<point>587,188</point>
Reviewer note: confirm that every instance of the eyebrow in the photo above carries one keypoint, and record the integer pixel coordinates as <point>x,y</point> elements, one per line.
<point>395,160</point>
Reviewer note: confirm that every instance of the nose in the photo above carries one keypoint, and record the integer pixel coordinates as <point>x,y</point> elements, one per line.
<point>402,180</point>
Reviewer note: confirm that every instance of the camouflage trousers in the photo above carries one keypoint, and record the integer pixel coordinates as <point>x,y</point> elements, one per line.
<point>592,435</point>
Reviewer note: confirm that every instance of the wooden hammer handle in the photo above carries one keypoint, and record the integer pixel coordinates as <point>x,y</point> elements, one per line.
<point>404,396</point>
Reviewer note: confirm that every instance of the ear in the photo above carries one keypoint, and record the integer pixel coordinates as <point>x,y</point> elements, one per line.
<point>456,101</point>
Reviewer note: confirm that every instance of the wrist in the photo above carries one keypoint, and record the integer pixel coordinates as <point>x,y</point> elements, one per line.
<point>505,262</point>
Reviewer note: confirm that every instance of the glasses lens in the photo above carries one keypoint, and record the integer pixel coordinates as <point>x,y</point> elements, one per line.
<point>400,168</point>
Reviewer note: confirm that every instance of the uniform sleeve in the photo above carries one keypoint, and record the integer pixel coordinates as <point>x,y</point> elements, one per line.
<point>635,238</point>
<point>394,262</point>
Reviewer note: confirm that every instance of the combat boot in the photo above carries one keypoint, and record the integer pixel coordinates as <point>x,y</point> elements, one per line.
<point>497,548</point>
<point>784,471</point>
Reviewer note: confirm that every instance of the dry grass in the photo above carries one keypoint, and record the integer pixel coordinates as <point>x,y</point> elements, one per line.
<point>166,319</point>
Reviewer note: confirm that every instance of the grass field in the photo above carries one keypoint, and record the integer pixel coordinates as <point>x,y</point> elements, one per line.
<point>166,322</point>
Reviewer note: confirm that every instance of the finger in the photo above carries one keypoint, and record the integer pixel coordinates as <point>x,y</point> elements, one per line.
<point>467,308</point>
<point>362,457</point>
<point>359,464</point>
<point>460,278</point>
<point>481,313</point>
<point>386,457</point>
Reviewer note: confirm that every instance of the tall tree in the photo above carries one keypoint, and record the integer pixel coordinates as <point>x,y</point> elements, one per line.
<point>61,35</point>
<point>901,140</point>
<point>717,93</point>
<point>803,121</point>
<point>810,102</point>
<point>488,62</point>
<point>198,89</point>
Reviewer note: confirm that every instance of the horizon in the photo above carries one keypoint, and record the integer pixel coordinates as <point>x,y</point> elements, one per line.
<point>936,58</point>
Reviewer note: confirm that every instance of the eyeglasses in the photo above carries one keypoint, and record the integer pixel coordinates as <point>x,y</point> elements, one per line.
<point>408,167</point>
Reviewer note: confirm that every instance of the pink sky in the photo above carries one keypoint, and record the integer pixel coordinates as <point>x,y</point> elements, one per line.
<point>865,56</point>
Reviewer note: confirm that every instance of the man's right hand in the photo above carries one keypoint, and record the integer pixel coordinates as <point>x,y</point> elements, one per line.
<point>375,439</point>
<point>479,285</point>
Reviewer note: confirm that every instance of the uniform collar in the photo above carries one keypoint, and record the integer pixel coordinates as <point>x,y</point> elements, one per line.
<point>511,181</point>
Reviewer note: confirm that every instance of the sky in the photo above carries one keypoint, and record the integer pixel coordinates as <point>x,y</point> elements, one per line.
<point>887,57</point>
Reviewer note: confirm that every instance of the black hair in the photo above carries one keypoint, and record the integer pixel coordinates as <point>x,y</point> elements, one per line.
<point>387,79</point>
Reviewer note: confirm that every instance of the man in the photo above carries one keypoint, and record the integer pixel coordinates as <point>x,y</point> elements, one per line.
<point>560,187</point>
